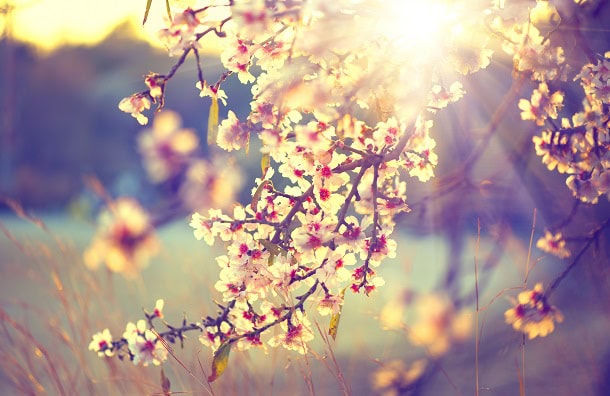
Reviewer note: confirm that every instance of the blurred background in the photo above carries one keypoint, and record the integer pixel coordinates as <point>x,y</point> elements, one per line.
<point>65,65</point>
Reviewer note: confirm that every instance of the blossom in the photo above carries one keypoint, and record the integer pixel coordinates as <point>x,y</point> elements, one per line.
<point>420,159</point>
<point>393,378</point>
<point>166,147</point>
<point>542,105</point>
<point>125,240</point>
<point>272,54</point>
<point>380,247</point>
<point>236,57</point>
<point>553,244</point>
<point>601,180</point>
<point>314,233</point>
<point>438,324</point>
<point>102,343</point>
<point>253,18</point>
<point>555,150</point>
<point>330,304</point>
<point>213,92</point>
<point>155,84</point>
<point>182,31</point>
<point>146,348</point>
<point>296,334</point>
<point>439,96</point>
<point>207,228</point>
<point>387,133</point>
<point>333,271</point>
<point>583,186</point>
<point>214,336</point>
<point>324,175</point>
<point>158,311</point>
<point>532,52</point>
<point>352,234</point>
<point>595,79</point>
<point>232,134</point>
<point>211,183</point>
<point>144,345</point>
<point>532,314</point>
<point>135,105</point>
<point>315,136</point>
<point>470,53</point>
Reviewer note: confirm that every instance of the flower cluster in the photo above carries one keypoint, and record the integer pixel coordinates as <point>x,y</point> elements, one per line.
<point>394,378</point>
<point>435,323</point>
<point>579,145</point>
<point>166,148</point>
<point>125,239</point>
<point>135,105</point>
<point>553,244</point>
<point>345,122</point>
<point>532,315</point>
<point>139,341</point>
<point>576,145</point>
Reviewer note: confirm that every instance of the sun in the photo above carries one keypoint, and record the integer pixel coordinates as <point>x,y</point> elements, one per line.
<point>421,33</point>
<point>420,23</point>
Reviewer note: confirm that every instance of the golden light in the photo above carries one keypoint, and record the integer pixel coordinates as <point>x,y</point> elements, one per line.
<point>446,35</point>
<point>51,23</point>
<point>419,23</point>
<point>48,24</point>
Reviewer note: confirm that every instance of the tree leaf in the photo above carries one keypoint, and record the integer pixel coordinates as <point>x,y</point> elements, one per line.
<point>220,362</point>
<point>334,320</point>
<point>334,325</point>
<point>165,384</point>
<point>148,4</point>
<point>270,246</point>
<point>257,194</point>
<point>265,163</point>
<point>169,10</point>
<point>213,122</point>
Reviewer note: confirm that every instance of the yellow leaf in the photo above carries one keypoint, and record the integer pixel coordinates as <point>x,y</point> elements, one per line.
<point>213,122</point>
<point>169,10</point>
<point>220,362</point>
<point>343,125</point>
<point>257,194</point>
<point>148,4</point>
<point>265,163</point>
<point>334,320</point>
<point>334,325</point>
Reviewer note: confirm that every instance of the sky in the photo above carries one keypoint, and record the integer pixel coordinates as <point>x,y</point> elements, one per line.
<point>51,23</point>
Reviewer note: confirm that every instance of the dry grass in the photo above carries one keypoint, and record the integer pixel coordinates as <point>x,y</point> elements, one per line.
<point>50,305</point>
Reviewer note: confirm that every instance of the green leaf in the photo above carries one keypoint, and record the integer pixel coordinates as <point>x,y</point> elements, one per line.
<point>165,384</point>
<point>220,362</point>
<point>213,122</point>
<point>148,4</point>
